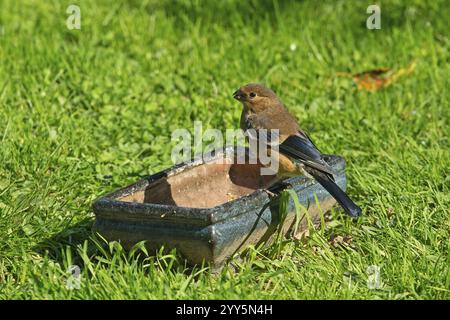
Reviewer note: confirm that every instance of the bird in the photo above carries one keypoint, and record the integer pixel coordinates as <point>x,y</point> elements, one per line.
<point>297,154</point>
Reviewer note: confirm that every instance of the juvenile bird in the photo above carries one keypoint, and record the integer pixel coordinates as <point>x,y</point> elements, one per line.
<point>298,155</point>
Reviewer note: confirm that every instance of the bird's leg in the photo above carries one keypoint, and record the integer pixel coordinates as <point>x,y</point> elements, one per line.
<point>277,188</point>
<point>265,188</point>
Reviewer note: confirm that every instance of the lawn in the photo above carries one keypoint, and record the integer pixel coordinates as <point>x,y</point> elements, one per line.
<point>84,112</point>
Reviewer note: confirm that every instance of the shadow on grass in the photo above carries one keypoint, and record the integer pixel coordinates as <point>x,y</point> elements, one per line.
<point>229,13</point>
<point>224,13</point>
<point>72,236</point>
<point>80,240</point>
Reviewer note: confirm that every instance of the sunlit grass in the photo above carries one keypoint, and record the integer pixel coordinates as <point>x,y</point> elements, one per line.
<point>83,112</point>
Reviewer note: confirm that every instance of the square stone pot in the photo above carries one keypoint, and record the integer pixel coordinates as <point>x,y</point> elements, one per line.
<point>208,209</point>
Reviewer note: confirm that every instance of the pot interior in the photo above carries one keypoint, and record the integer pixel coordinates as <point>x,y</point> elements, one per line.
<point>204,186</point>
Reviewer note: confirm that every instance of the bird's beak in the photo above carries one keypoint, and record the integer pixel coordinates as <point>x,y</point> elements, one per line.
<point>239,95</point>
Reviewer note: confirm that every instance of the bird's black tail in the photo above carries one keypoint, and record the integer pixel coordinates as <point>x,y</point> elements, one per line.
<point>349,206</point>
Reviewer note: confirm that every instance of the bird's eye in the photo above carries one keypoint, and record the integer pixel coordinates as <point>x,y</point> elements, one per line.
<point>252,94</point>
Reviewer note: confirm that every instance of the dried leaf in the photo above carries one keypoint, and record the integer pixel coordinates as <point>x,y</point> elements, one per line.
<point>371,80</point>
<point>390,212</point>
<point>376,79</point>
<point>338,241</point>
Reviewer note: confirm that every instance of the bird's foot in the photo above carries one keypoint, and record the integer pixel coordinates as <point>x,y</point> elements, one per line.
<point>277,188</point>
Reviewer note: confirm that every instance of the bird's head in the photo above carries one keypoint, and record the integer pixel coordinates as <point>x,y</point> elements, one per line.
<point>256,97</point>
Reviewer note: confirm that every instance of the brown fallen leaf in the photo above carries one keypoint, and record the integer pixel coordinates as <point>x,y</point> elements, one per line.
<point>390,212</point>
<point>337,241</point>
<point>373,80</point>
<point>302,236</point>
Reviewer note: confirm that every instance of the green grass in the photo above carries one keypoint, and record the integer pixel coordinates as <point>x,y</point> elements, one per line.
<point>83,112</point>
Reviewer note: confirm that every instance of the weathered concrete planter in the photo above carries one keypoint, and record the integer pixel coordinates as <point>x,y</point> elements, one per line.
<point>206,210</point>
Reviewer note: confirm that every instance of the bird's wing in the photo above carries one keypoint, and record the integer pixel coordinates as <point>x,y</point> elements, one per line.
<point>297,146</point>
<point>301,148</point>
